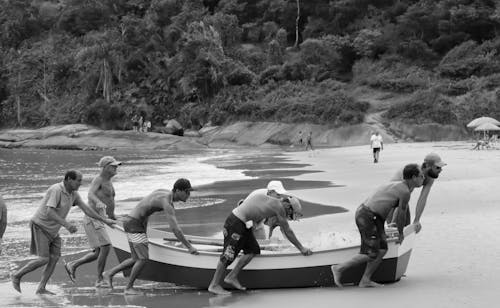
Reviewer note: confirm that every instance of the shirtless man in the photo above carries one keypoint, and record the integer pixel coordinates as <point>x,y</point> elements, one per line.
<point>135,225</point>
<point>260,204</point>
<point>45,225</point>
<point>102,199</point>
<point>431,167</point>
<point>370,218</point>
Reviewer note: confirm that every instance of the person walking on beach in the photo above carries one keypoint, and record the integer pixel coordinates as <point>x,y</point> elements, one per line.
<point>370,218</point>
<point>101,198</point>
<point>3,221</point>
<point>135,122</point>
<point>309,142</point>
<point>431,168</point>
<point>135,225</point>
<point>45,225</point>
<point>238,235</point>
<point>377,145</point>
<point>300,138</point>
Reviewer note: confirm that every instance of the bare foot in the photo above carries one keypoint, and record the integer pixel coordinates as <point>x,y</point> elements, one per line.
<point>70,271</point>
<point>337,275</point>
<point>44,292</point>
<point>369,284</point>
<point>218,290</point>
<point>16,283</point>
<point>132,291</point>
<point>102,284</point>
<point>235,283</point>
<point>108,279</point>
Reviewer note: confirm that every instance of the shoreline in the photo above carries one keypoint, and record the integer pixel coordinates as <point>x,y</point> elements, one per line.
<point>264,135</point>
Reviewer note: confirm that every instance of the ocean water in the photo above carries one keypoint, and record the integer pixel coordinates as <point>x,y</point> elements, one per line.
<point>26,174</point>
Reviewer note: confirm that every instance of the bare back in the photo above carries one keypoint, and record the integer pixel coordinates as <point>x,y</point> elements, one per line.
<point>388,197</point>
<point>158,200</point>
<point>257,206</point>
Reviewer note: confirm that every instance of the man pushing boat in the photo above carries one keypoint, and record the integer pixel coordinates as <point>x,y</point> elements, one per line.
<point>135,225</point>
<point>273,201</point>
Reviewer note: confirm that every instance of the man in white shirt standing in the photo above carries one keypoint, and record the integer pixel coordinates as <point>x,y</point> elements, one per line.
<point>377,145</point>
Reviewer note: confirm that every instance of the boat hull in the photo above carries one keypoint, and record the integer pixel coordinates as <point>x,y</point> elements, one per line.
<point>287,270</point>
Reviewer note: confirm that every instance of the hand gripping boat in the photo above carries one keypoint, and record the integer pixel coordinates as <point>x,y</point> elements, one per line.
<point>272,269</point>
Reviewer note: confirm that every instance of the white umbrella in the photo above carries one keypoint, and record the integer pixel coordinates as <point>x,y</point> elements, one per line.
<point>482,120</point>
<point>486,127</point>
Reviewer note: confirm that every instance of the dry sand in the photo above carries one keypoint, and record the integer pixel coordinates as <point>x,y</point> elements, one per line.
<point>454,263</point>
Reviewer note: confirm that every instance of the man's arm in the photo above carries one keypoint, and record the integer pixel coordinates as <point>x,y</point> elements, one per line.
<point>89,211</point>
<point>422,201</point>
<point>290,235</point>
<point>52,214</point>
<point>401,215</point>
<point>172,222</point>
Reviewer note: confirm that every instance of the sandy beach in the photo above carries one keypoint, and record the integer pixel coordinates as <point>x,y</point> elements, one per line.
<point>453,263</point>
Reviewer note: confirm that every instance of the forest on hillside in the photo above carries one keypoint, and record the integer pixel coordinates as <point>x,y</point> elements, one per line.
<point>101,61</point>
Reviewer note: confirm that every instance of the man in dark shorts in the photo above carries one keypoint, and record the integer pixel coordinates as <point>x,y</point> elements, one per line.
<point>45,224</point>
<point>370,218</point>
<point>431,167</point>
<point>135,225</point>
<point>377,144</point>
<point>260,204</point>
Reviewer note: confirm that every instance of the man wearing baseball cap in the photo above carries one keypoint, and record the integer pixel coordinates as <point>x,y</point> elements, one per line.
<point>431,167</point>
<point>135,226</point>
<point>101,198</point>
<point>273,201</point>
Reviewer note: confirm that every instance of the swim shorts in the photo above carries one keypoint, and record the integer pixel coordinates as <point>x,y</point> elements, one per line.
<point>137,237</point>
<point>236,238</point>
<point>376,150</point>
<point>371,229</point>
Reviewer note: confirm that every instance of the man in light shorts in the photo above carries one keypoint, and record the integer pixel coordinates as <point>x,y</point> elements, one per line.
<point>102,199</point>
<point>45,224</point>
<point>260,204</point>
<point>135,225</point>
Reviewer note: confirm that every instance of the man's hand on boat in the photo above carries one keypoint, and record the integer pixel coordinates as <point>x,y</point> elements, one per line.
<point>109,222</point>
<point>193,250</point>
<point>306,251</point>
<point>418,226</point>
<point>400,239</point>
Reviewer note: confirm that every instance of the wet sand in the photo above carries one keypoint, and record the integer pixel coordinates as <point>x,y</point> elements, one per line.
<point>454,263</point>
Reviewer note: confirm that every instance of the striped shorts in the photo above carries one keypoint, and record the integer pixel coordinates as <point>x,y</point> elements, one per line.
<point>138,243</point>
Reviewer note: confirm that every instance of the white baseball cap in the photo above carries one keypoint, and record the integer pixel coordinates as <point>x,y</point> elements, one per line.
<point>277,186</point>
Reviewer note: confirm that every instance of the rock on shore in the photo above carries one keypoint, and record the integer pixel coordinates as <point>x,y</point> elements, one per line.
<point>262,134</point>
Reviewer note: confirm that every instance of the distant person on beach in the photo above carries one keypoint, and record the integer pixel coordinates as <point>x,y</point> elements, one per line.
<point>299,138</point>
<point>431,168</point>
<point>135,122</point>
<point>45,224</point>
<point>140,123</point>
<point>3,221</point>
<point>377,145</point>
<point>258,205</point>
<point>101,198</point>
<point>370,218</point>
<point>309,142</point>
<point>135,225</point>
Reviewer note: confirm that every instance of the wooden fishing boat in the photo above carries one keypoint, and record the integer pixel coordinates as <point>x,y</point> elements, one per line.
<point>272,269</point>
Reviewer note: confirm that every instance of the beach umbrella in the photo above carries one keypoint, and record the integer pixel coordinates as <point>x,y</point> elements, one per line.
<point>486,127</point>
<point>482,120</point>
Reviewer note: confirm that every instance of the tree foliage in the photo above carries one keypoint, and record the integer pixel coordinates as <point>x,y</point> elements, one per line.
<point>99,62</point>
